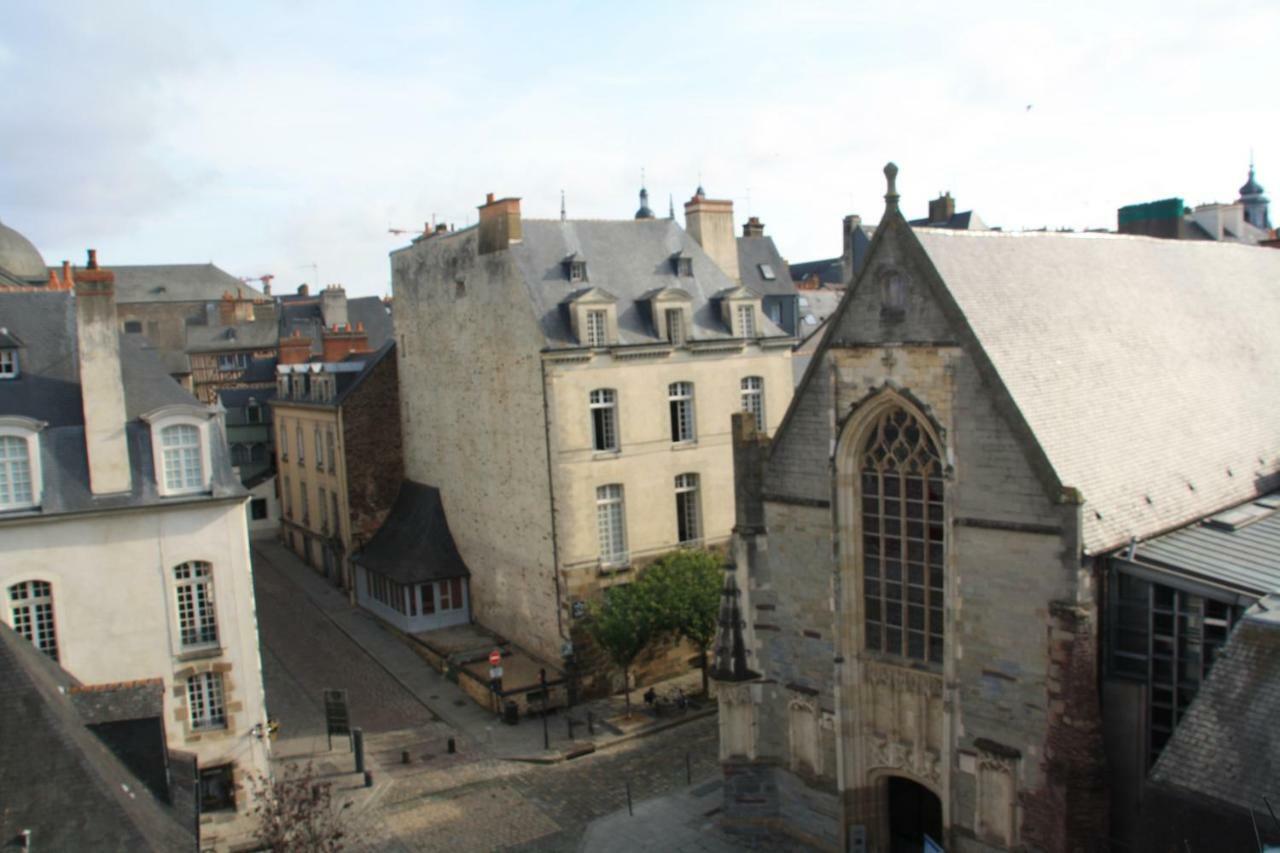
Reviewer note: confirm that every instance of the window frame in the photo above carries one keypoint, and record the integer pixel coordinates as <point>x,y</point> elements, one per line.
<point>602,405</point>
<point>223,775</point>
<point>597,328</point>
<point>25,431</point>
<point>688,494</point>
<point>332,445</point>
<point>230,362</point>
<point>319,450</point>
<point>202,605</point>
<point>199,417</point>
<point>745,315</point>
<point>10,364</point>
<point>683,414</point>
<point>38,595</point>
<point>752,399</point>
<point>206,691</point>
<point>611,512</point>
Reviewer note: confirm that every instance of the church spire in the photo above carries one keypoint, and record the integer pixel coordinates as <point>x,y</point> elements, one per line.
<point>644,212</point>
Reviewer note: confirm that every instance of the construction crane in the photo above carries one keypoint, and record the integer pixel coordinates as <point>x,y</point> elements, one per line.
<point>264,279</point>
<point>425,229</point>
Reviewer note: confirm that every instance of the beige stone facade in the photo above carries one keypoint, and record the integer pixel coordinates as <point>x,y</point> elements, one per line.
<point>502,380</point>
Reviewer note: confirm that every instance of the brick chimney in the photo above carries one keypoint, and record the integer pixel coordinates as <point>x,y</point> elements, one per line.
<point>101,383</point>
<point>942,208</point>
<point>232,309</point>
<point>294,349</point>
<point>333,306</point>
<point>753,227</point>
<point>499,224</point>
<point>341,341</point>
<point>710,222</point>
<point>304,290</point>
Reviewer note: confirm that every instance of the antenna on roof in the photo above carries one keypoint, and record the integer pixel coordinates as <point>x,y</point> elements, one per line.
<point>671,206</point>
<point>562,205</point>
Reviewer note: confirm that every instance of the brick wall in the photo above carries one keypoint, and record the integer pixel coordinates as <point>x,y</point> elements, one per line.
<point>373,448</point>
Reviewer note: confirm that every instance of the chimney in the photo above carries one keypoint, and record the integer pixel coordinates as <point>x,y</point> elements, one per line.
<point>266,284</point>
<point>753,227</point>
<point>294,349</point>
<point>941,209</point>
<point>850,257</point>
<point>101,383</point>
<point>710,222</point>
<point>303,290</point>
<point>333,305</point>
<point>341,341</point>
<point>499,224</point>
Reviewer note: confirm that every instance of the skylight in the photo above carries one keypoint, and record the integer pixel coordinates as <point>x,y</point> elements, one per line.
<point>766,271</point>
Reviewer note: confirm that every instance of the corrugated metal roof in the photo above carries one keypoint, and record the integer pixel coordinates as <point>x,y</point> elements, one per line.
<point>1243,556</point>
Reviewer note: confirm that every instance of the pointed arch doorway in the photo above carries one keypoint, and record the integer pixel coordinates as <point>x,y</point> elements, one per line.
<point>915,813</point>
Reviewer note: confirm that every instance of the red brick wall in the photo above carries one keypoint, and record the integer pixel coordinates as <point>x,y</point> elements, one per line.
<point>373,449</point>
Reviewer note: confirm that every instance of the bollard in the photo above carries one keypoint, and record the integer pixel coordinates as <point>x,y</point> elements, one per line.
<point>629,811</point>
<point>568,721</point>
<point>453,747</point>
<point>404,756</point>
<point>591,723</point>
<point>357,746</point>
<point>368,778</point>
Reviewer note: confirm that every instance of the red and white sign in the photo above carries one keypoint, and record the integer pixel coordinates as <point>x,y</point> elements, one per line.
<point>495,657</point>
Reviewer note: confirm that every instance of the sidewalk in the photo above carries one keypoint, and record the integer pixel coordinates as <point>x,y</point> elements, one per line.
<point>478,728</point>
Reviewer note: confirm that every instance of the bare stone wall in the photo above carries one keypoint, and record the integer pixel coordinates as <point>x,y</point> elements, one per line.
<point>472,413</point>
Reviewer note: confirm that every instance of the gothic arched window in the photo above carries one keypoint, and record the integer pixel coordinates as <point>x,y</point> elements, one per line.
<point>902,538</point>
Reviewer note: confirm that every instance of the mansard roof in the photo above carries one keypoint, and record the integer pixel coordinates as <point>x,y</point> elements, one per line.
<point>629,259</point>
<point>1146,369</point>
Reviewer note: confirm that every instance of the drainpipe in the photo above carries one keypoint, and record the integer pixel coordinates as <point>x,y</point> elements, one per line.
<point>551,496</point>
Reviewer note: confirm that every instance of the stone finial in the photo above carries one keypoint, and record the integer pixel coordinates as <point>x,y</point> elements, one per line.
<point>891,196</point>
<point>731,648</point>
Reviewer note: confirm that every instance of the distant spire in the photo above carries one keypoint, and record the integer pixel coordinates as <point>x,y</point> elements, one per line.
<point>891,196</point>
<point>562,205</point>
<point>644,212</point>
<point>671,206</point>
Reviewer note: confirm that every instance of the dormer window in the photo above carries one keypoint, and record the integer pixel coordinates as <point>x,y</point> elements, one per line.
<point>180,446</point>
<point>8,364</point>
<point>20,483</point>
<point>576,268</point>
<point>682,265</point>
<point>746,321</point>
<point>593,318</point>
<point>675,326</point>
<point>597,328</point>
<point>740,312</point>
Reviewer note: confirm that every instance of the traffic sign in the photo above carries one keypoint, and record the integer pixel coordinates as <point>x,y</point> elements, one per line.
<point>495,657</point>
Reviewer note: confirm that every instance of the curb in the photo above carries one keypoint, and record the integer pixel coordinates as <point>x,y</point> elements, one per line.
<point>599,746</point>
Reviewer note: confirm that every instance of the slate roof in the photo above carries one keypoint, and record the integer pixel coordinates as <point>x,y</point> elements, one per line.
<point>965,220</point>
<point>628,259</point>
<point>302,314</point>
<point>57,779</point>
<point>1245,558</point>
<point>259,335</point>
<point>414,543</point>
<point>235,398</point>
<point>48,389</point>
<point>1226,746</point>
<point>127,700</point>
<point>829,270</point>
<point>346,381</point>
<point>752,253</point>
<point>176,283</point>
<point>1147,369</point>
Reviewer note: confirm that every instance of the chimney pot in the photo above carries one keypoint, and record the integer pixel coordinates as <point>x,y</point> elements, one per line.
<point>93,259</point>
<point>488,199</point>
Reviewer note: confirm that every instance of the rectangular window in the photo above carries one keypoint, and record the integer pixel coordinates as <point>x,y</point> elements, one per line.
<point>303,502</point>
<point>302,448</point>
<point>675,326</point>
<point>753,399</point>
<point>231,361</point>
<point>217,789</point>
<point>197,619</point>
<point>283,441</point>
<point>16,489</point>
<point>287,497</point>
<point>604,419</point>
<point>333,513</point>
<point>428,591</point>
<point>688,521</point>
<point>253,413</point>
<point>319,451</point>
<point>611,524</point>
<point>205,707</point>
<point>324,512</point>
<point>258,509</point>
<point>597,328</point>
<point>746,321</point>
<point>333,450</point>
<point>31,609</point>
<point>680,398</point>
<point>451,594</point>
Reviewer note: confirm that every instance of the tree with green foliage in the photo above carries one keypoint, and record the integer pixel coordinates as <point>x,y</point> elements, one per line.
<point>622,625</point>
<point>685,588</point>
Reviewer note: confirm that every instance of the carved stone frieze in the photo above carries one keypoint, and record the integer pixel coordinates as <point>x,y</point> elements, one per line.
<point>883,752</point>
<point>902,679</point>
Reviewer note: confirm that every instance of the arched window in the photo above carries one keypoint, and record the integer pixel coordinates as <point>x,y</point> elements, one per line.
<point>183,469</point>
<point>31,612</point>
<point>902,538</point>
<point>197,618</point>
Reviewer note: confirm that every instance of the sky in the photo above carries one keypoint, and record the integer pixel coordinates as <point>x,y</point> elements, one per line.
<point>287,138</point>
